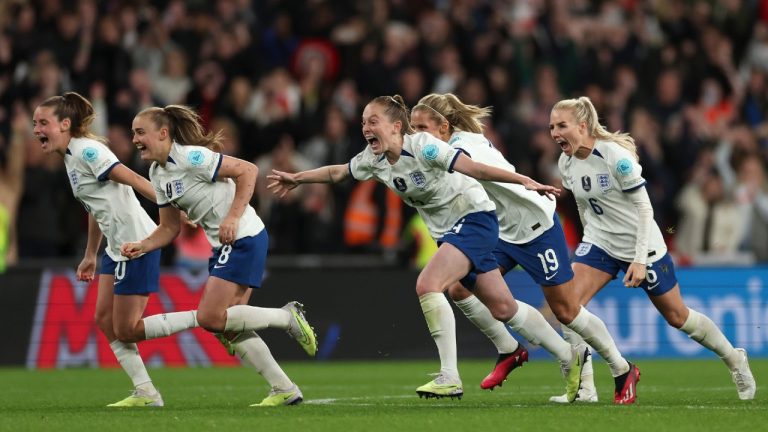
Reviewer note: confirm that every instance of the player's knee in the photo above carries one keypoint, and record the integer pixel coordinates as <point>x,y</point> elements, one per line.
<point>564,312</point>
<point>424,286</point>
<point>503,311</point>
<point>103,320</point>
<point>457,292</point>
<point>675,319</point>
<point>126,333</point>
<point>210,321</point>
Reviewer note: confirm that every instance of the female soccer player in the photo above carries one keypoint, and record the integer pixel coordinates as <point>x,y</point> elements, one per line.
<point>103,186</point>
<point>601,169</point>
<point>214,190</point>
<point>460,216</point>
<point>530,235</point>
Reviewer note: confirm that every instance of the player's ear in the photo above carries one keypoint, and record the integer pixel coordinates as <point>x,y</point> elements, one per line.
<point>65,124</point>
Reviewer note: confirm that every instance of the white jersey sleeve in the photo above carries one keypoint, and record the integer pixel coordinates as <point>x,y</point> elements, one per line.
<point>523,214</point>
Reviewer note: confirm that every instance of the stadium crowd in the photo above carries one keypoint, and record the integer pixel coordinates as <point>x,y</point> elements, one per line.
<point>286,81</point>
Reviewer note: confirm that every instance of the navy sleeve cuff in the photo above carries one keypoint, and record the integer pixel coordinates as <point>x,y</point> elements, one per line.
<point>105,175</point>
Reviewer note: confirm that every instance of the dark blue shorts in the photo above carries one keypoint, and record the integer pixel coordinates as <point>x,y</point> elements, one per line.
<point>660,276</point>
<point>544,258</point>
<point>242,262</point>
<point>137,276</point>
<point>475,235</point>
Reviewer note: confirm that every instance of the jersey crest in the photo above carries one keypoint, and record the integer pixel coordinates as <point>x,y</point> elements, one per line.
<point>399,183</point>
<point>73,178</point>
<point>419,179</point>
<point>174,187</point>
<point>90,154</point>
<point>586,183</point>
<point>583,249</point>
<point>604,182</point>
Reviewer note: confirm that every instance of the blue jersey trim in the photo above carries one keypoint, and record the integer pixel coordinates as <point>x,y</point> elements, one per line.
<point>404,152</point>
<point>105,175</point>
<point>68,152</point>
<point>349,167</point>
<point>170,159</point>
<point>465,152</point>
<point>636,187</point>
<point>455,158</point>
<point>597,153</point>
<point>216,172</point>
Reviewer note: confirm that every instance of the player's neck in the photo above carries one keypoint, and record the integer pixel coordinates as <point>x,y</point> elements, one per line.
<point>585,149</point>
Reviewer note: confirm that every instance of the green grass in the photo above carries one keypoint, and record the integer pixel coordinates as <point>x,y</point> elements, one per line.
<point>379,396</point>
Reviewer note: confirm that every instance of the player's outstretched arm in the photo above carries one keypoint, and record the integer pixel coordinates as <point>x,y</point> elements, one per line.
<point>123,174</point>
<point>465,165</point>
<point>162,235</point>
<point>283,182</point>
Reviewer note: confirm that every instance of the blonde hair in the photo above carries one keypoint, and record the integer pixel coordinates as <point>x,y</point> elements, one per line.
<point>449,107</point>
<point>583,110</point>
<point>396,110</point>
<point>184,126</point>
<point>78,110</point>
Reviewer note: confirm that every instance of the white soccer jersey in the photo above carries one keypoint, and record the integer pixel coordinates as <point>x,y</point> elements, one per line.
<point>421,177</point>
<point>599,183</point>
<point>188,182</point>
<point>523,214</point>
<point>114,205</point>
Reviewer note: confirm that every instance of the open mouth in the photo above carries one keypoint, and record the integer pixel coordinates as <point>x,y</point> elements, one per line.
<point>372,141</point>
<point>562,143</point>
<point>43,141</point>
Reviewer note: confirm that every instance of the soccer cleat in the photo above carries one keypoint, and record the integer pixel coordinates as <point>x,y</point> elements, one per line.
<point>140,398</point>
<point>299,328</point>
<point>742,377</point>
<point>277,397</point>
<point>584,395</point>
<point>504,365</point>
<point>572,371</point>
<point>227,343</point>
<point>626,386</point>
<point>440,387</point>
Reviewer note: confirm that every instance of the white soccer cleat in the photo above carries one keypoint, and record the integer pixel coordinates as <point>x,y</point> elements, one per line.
<point>742,377</point>
<point>584,395</point>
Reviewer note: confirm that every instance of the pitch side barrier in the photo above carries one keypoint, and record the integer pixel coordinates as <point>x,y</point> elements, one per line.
<point>361,312</point>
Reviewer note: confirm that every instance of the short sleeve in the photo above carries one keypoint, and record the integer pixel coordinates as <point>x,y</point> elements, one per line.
<point>202,162</point>
<point>162,198</point>
<point>99,160</point>
<point>626,170</point>
<point>566,179</point>
<point>360,166</point>
<point>434,152</point>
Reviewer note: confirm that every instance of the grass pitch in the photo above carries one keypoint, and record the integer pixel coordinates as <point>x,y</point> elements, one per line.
<point>695,395</point>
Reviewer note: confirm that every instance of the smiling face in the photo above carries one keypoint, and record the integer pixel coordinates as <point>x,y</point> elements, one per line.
<point>153,142</point>
<point>569,134</point>
<point>52,133</point>
<point>381,133</point>
<point>424,121</point>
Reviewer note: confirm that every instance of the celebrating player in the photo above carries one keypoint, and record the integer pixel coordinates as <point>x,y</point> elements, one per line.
<point>460,217</point>
<point>601,169</point>
<point>214,190</point>
<point>530,235</point>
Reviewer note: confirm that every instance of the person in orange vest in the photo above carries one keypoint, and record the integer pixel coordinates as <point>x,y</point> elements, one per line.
<point>366,224</point>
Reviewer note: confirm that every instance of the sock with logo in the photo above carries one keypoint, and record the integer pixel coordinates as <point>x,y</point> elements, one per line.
<point>128,356</point>
<point>442,327</point>
<point>166,324</point>
<point>242,318</point>
<point>593,331</point>
<point>254,352</point>
<point>704,331</point>
<point>532,325</point>
<point>492,328</point>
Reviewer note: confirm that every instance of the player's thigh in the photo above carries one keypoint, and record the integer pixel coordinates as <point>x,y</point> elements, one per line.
<point>218,295</point>
<point>447,266</point>
<point>493,291</point>
<point>671,306</point>
<point>104,300</point>
<point>588,281</point>
<point>126,313</point>
<point>563,299</point>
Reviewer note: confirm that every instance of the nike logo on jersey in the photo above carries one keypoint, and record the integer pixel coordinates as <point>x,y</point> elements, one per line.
<point>216,266</point>
<point>550,276</point>
<point>650,287</point>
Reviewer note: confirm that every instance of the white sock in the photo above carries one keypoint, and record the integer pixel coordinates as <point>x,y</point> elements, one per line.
<point>241,318</point>
<point>594,332</point>
<point>128,356</point>
<point>531,325</point>
<point>166,324</point>
<point>253,351</point>
<point>704,331</point>
<point>587,372</point>
<point>482,318</point>
<point>442,327</point>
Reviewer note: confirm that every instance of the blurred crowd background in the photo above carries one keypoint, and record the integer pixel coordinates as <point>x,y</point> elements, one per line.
<point>286,81</point>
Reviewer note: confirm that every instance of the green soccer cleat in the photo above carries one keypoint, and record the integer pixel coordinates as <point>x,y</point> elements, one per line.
<point>277,397</point>
<point>572,371</point>
<point>299,328</point>
<point>140,398</point>
<point>226,342</point>
<point>440,387</point>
